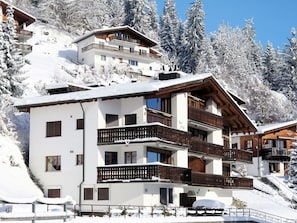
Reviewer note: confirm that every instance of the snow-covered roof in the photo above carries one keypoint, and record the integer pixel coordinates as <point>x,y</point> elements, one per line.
<point>270,127</point>
<point>113,91</point>
<point>114,29</point>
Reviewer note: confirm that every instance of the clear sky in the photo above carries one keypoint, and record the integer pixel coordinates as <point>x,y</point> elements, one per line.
<point>273,19</point>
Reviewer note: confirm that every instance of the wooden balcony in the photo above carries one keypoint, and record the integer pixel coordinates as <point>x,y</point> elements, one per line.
<point>23,35</point>
<point>116,49</point>
<point>144,133</point>
<point>212,180</point>
<point>158,116</point>
<point>148,172</point>
<point>205,148</point>
<point>205,117</point>
<point>237,155</point>
<point>274,153</point>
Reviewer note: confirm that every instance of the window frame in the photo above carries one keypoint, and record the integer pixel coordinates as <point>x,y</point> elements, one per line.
<point>131,119</point>
<point>103,194</point>
<point>53,128</point>
<point>110,157</point>
<point>130,157</point>
<point>111,120</point>
<point>88,193</point>
<point>55,167</point>
<point>54,193</point>
<point>80,123</point>
<point>79,159</point>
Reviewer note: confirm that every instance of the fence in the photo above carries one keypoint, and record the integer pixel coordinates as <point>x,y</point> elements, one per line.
<point>35,212</point>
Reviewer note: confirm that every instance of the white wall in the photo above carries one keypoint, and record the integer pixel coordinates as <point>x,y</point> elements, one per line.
<point>67,146</point>
<point>214,166</point>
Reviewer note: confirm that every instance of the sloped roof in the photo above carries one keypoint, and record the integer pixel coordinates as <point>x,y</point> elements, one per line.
<point>19,15</point>
<point>205,84</point>
<point>129,29</point>
<point>264,129</point>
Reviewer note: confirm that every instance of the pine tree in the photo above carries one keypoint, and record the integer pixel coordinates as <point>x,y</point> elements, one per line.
<point>194,35</point>
<point>117,12</point>
<point>170,33</point>
<point>12,57</point>
<point>292,182</point>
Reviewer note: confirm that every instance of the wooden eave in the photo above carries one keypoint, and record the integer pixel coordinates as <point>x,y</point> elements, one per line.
<point>19,15</point>
<point>280,129</point>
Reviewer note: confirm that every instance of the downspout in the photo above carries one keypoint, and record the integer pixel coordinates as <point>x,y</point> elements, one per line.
<point>83,166</point>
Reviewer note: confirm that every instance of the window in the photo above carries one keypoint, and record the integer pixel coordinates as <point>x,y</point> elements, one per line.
<point>249,144</point>
<point>121,48</point>
<point>54,193</point>
<point>162,156</point>
<point>53,163</point>
<point>142,52</point>
<point>103,57</point>
<point>103,194</point>
<point>170,196</point>
<point>163,196</point>
<point>53,129</point>
<point>88,193</point>
<point>130,119</point>
<point>111,120</point>
<point>131,50</point>
<point>234,146</point>
<point>160,104</point>
<point>111,158</point>
<point>130,157</point>
<point>133,62</point>
<point>198,134</point>
<point>80,123</point>
<point>79,159</point>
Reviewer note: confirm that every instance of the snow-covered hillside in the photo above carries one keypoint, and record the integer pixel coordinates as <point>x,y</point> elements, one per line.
<point>52,60</point>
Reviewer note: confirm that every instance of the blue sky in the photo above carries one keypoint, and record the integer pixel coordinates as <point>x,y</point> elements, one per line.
<point>273,19</point>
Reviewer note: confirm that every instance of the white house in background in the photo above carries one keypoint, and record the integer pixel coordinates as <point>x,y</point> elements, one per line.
<point>108,48</point>
<point>158,142</point>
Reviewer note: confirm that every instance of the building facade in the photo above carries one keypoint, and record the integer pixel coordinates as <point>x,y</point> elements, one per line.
<point>160,142</point>
<point>22,20</point>
<point>119,48</point>
<point>271,146</point>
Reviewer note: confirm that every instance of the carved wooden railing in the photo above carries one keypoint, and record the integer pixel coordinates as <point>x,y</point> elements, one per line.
<point>212,180</point>
<point>157,116</point>
<point>205,117</point>
<point>150,132</point>
<point>205,148</point>
<point>148,172</point>
<point>238,155</point>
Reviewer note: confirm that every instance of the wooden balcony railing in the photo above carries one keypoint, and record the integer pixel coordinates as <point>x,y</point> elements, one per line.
<point>23,35</point>
<point>205,117</point>
<point>115,48</point>
<point>205,148</point>
<point>150,132</point>
<point>157,116</point>
<point>275,153</point>
<point>212,180</point>
<point>238,155</point>
<point>148,172</point>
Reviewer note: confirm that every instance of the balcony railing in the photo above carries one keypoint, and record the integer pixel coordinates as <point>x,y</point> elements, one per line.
<point>205,148</point>
<point>212,180</point>
<point>150,132</point>
<point>148,172</point>
<point>23,35</point>
<point>205,117</point>
<point>238,155</point>
<point>116,49</point>
<point>275,153</point>
<point>157,116</point>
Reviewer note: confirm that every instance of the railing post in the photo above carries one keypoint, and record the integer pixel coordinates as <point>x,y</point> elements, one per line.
<point>65,210</point>
<point>34,211</point>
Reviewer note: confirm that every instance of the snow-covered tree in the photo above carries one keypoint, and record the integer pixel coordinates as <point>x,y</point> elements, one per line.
<point>140,15</point>
<point>292,182</point>
<point>116,12</point>
<point>194,35</point>
<point>13,59</point>
<point>170,33</point>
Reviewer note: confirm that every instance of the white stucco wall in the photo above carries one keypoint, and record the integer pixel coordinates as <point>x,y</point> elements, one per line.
<point>214,166</point>
<point>68,145</point>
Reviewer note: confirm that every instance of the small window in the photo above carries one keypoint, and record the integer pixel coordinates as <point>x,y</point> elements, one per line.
<point>54,193</point>
<point>130,119</point>
<point>170,196</point>
<point>88,193</point>
<point>130,157</point>
<point>112,120</point>
<point>131,50</point>
<point>103,57</point>
<point>133,62</point>
<point>249,144</point>
<point>53,129</point>
<point>121,48</point>
<point>234,146</point>
<point>103,194</point>
<point>163,196</point>
<point>80,124</point>
<point>53,163</point>
<point>79,159</point>
<point>111,158</point>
